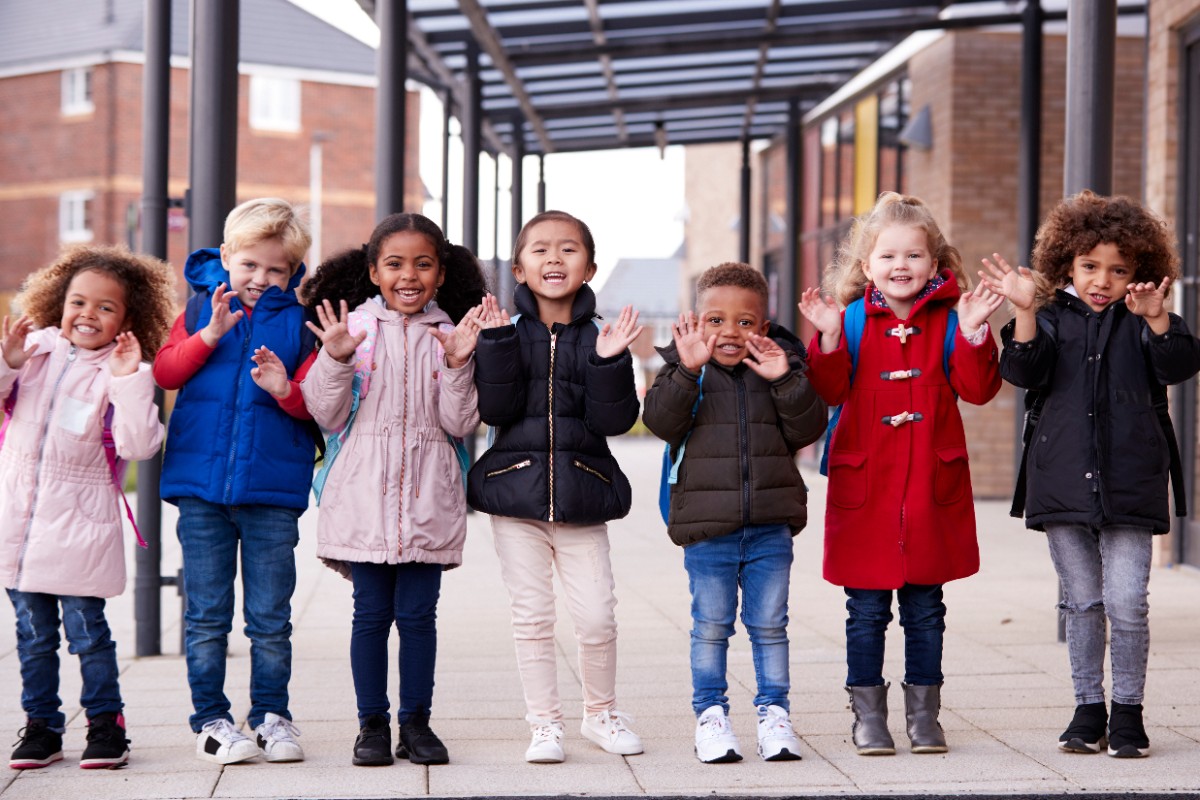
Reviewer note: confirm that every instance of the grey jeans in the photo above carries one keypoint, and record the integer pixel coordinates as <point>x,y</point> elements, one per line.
<point>1104,573</point>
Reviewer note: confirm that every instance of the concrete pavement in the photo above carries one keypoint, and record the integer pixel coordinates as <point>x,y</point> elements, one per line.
<point>1007,694</point>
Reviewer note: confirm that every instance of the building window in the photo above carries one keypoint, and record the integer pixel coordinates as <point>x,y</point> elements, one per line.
<point>274,104</point>
<point>75,216</point>
<point>77,91</point>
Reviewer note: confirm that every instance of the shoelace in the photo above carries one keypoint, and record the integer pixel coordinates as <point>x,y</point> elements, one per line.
<point>714,725</point>
<point>30,732</point>
<point>774,723</point>
<point>616,721</point>
<point>224,728</point>
<point>546,733</point>
<point>281,730</point>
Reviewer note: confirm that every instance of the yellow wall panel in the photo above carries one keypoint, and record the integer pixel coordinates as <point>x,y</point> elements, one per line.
<point>866,153</point>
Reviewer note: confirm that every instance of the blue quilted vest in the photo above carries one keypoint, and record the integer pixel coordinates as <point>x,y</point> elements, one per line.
<point>228,441</point>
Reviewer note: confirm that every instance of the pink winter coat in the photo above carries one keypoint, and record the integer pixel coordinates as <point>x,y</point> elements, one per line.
<point>395,493</point>
<point>62,513</point>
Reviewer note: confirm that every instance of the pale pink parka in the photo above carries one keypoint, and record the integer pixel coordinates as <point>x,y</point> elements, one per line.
<point>395,492</point>
<point>60,511</point>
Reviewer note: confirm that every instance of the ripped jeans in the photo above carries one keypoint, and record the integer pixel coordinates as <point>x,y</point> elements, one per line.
<point>1105,575</point>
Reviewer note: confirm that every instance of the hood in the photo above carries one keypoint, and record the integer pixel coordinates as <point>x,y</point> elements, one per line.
<point>204,270</point>
<point>583,307</point>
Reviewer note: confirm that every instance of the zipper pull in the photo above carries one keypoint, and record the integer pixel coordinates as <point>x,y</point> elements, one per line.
<point>71,353</point>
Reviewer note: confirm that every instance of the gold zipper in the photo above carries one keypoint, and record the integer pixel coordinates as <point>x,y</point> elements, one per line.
<point>519,465</point>
<point>588,469</point>
<point>553,343</point>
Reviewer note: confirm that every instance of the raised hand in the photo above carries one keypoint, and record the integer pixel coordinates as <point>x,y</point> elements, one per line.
<point>1016,285</point>
<point>768,358</point>
<point>821,311</point>
<point>126,356</point>
<point>334,333</point>
<point>460,342</point>
<point>269,373</point>
<point>1147,299</point>
<point>222,319</point>
<point>694,351</point>
<point>976,306</point>
<point>13,337</point>
<point>614,339</point>
<point>493,315</point>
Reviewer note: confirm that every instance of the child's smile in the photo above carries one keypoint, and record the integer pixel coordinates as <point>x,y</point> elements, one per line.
<point>554,264</point>
<point>900,264</point>
<point>733,314</point>
<point>1101,276</point>
<point>94,311</point>
<point>407,272</point>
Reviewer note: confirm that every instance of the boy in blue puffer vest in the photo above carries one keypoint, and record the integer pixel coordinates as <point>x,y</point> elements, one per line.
<point>238,464</point>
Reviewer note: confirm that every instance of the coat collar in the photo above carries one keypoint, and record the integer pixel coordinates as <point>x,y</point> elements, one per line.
<point>945,294</point>
<point>583,307</point>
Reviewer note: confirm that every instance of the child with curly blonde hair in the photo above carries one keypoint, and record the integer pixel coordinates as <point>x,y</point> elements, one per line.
<point>1095,345</point>
<point>77,355</point>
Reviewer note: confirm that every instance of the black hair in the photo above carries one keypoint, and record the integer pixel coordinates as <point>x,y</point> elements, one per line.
<point>347,275</point>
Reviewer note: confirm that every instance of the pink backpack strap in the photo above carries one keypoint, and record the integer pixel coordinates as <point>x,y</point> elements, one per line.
<point>116,466</point>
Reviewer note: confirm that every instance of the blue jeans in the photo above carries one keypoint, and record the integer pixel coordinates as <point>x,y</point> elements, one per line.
<point>88,636</point>
<point>1105,577</point>
<point>923,617</point>
<point>209,534</point>
<point>758,558</point>
<point>405,595</point>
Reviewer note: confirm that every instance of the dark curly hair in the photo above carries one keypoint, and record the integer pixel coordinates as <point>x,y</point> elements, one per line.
<point>733,273</point>
<point>149,286</point>
<point>347,275</point>
<point>1081,222</point>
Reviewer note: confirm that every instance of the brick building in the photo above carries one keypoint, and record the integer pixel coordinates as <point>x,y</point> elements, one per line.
<point>71,139</point>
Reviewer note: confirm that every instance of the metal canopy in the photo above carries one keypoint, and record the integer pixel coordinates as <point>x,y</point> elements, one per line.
<point>577,75</point>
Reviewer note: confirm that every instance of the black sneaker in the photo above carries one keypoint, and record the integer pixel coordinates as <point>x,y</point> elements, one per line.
<point>38,746</point>
<point>107,747</point>
<point>1126,733</point>
<point>373,747</point>
<point>419,744</point>
<point>1085,734</point>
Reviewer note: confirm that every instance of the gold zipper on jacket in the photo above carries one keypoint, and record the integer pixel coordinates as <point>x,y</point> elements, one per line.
<point>588,469</point>
<point>519,465</point>
<point>550,412</point>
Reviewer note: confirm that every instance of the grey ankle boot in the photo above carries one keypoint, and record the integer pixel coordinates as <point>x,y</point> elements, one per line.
<point>921,706</point>
<point>871,736</point>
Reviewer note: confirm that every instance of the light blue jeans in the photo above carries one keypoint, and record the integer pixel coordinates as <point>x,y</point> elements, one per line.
<point>1104,573</point>
<point>758,558</point>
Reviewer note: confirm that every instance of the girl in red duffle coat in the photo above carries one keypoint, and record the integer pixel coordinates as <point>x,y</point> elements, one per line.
<point>900,515</point>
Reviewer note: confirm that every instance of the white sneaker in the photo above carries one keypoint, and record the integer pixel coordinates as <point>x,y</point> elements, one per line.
<point>607,729</point>
<point>546,745</point>
<point>277,739</point>
<point>777,740</point>
<point>715,742</point>
<point>221,743</point>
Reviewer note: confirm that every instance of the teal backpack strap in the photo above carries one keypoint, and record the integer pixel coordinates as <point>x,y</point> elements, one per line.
<point>948,345</point>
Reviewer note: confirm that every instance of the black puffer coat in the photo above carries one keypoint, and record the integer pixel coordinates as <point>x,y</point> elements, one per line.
<point>738,468</point>
<point>554,467</point>
<point>1098,455</point>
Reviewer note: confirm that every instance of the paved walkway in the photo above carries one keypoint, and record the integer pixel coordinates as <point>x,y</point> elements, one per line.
<point>1007,696</point>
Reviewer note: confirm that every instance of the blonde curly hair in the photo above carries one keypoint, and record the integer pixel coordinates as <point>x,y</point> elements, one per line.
<point>149,286</point>
<point>845,279</point>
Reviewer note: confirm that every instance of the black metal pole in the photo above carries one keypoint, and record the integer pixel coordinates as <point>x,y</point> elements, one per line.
<point>1091,53</point>
<point>744,214</point>
<point>785,314</point>
<point>505,283</point>
<point>446,98</point>
<point>541,182</point>
<point>390,106</point>
<point>156,118</point>
<point>496,222</point>
<point>471,136</point>
<point>214,115</point>
<point>1029,163</point>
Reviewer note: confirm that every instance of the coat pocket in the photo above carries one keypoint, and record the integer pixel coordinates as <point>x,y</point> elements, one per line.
<point>591,471</point>
<point>951,478</point>
<point>847,479</point>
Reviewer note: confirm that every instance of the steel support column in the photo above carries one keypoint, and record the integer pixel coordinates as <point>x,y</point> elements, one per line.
<point>505,282</point>
<point>156,118</point>
<point>391,107</point>
<point>541,182</point>
<point>785,313</point>
<point>1091,56</point>
<point>1029,164</point>
<point>471,118</point>
<point>214,117</point>
<point>447,97</point>
<point>744,213</point>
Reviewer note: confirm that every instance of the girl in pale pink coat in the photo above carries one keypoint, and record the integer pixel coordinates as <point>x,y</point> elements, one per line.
<point>72,375</point>
<point>394,384</point>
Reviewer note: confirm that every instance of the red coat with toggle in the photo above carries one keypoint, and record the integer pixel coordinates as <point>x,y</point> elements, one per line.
<point>899,507</point>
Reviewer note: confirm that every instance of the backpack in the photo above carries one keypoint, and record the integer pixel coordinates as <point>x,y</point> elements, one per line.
<point>670,466</point>
<point>853,322</point>
<point>363,357</point>
<point>116,464</point>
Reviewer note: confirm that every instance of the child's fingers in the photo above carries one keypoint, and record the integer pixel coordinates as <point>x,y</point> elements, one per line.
<point>1166,284</point>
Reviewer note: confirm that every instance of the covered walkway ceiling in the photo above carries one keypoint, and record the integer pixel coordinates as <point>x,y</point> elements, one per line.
<point>599,74</point>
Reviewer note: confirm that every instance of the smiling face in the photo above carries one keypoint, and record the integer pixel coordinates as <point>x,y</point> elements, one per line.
<point>407,272</point>
<point>732,313</point>
<point>255,268</point>
<point>94,311</point>
<point>554,264</point>
<point>1101,277</point>
<point>900,264</point>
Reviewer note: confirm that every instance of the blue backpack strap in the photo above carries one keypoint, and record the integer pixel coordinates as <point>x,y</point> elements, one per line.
<point>948,345</point>
<point>853,322</point>
<point>670,466</point>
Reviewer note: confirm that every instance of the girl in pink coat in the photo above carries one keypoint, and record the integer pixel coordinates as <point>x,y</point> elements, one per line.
<point>394,383</point>
<point>73,374</point>
<point>911,342</point>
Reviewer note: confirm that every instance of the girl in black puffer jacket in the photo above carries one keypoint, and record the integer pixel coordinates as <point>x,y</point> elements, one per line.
<point>553,386</point>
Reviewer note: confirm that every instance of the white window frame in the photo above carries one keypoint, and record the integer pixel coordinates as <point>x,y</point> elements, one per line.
<point>275,103</point>
<point>73,216</point>
<point>77,91</point>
